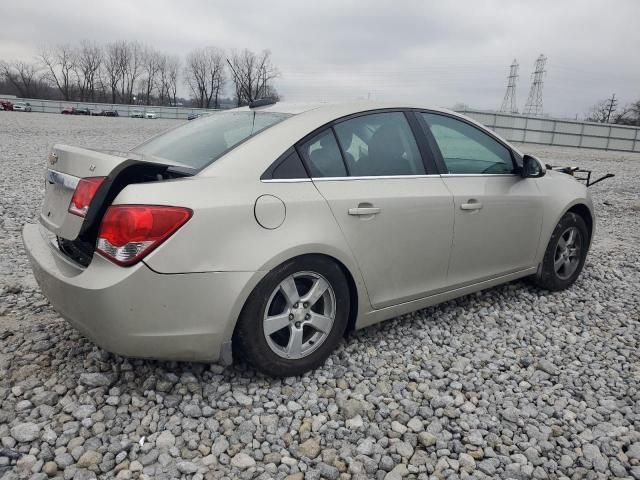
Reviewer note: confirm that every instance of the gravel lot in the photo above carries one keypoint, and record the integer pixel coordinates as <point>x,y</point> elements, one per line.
<point>510,383</point>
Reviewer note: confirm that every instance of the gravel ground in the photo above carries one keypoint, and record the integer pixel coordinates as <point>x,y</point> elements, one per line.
<point>509,383</point>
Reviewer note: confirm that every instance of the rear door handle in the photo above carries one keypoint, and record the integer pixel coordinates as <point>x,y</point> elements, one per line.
<point>472,205</point>
<point>364,211</point>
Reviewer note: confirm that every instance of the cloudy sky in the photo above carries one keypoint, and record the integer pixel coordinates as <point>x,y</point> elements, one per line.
<point>434,52</point>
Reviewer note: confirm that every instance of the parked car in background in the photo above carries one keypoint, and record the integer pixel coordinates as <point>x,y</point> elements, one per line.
<point>68,111</point>
<point>6,105</point>
<point>328,218</point>
<point>83,111</point>
<point>107,113</point>
<point>150,115</point>
<point>136,114</point>
<point>193,115</point>
<point>22,107</point>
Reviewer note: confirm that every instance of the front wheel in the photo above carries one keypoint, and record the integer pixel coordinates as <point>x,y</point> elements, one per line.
<point>565,254</point>
<point>295,317</point>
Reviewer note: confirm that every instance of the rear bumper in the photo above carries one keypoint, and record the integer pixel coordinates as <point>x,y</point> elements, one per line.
<point>137,312</point>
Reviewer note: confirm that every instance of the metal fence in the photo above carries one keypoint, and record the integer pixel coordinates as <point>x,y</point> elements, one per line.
<point>565,133</point>
<point>514,128</point>
<point>55,106</point>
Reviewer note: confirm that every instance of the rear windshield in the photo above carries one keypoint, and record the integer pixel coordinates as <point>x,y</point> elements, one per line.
<point>203,141</point>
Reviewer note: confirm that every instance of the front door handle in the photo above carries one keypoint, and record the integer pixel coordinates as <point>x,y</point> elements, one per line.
<point>364,211</point>
<point>472,205</point>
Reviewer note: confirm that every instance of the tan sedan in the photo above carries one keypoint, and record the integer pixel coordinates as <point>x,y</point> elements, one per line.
<point>269,232</point>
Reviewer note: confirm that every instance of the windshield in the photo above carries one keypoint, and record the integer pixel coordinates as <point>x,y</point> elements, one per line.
<point>203,141</point>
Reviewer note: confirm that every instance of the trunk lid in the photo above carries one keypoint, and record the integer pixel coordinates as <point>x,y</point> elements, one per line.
<point>67,165</point>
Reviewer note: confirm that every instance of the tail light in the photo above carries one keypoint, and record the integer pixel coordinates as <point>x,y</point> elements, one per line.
<point>130,232</point>
<point>83,194</point>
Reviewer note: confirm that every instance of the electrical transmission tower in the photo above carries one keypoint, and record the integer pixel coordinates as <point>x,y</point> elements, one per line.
<point>509,102</point>
<point>534,101</point>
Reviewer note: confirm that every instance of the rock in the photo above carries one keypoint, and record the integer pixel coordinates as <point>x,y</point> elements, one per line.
<point>467,463</point>
<point>355,423</point>
<point>242,399</point>
<point>95,380</point>
<point>633,451</point>
<point>404,449</point>
<point>243,461</point>
<point>220,445</point>
<point>165,440</point>
<point>548,367</point>
<point>187,467</point>
<point>415,424</point>
<point>50,468</point>
<point>309,448</point>
<point>398,472</point>
<point>398,427</point>
<point>511,414</point>
<point>352,407</point>
<point>365,447</point>
<point>25,432</point>
<point>427,439</point>
<point>89,459</point>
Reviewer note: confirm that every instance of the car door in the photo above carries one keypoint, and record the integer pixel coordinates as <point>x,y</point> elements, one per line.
<point>498,214</point>
<point>395,212</point>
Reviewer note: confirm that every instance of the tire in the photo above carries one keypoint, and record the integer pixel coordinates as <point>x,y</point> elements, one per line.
<point>560,270</point>
<point>272,325</point>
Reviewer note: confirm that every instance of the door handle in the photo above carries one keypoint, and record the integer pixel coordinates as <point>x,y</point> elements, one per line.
<point>364,211</point>
<point>472,205</point>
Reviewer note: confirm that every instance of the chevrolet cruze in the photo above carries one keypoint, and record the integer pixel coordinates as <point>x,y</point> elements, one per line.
<point>271,231</point>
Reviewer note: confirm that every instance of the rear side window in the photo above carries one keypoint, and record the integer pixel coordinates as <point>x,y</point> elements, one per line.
<point>323,155</point>
<point>379,144</point>
<point>466,149</point>
<point>203,141</point>
<point>290,167</point>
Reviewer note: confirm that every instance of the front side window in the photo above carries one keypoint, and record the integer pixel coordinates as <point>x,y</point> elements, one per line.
<point>466,149</point>
<point>323,155</point>
<point>379,144</point>
<point>203,141</point>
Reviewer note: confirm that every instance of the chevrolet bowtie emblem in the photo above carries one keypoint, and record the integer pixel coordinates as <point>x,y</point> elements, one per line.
<point>53,158</point>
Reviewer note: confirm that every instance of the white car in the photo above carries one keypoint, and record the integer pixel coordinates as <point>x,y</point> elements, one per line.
<point>22,107</point>
<point>150,115</point>
<point>275,230</point>
<point>136,114</point>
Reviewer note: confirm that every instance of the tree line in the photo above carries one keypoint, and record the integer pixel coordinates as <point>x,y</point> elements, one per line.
<point>608,111</point>
<point>129,72</point>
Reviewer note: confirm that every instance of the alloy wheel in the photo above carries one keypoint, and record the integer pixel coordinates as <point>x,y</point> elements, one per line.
<point>299,315</point>
<point>567,254</point>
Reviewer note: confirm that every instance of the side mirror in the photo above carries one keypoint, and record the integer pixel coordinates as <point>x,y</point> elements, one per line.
<point>532,167</point>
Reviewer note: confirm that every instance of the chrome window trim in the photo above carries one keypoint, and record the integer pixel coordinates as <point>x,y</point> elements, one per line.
<point>64,179</point>
<point>285,180</point>
<point>384,177</point>
<point>447,175</point>
<point>372,177</point>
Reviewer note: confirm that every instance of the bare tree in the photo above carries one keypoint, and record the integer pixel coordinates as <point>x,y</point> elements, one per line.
<point>252,75</point>
<point>112,68</point>
<point>204,75</point>
<point>151,60</point>
<point>602,111</point>
<point>87,67</point>
<point>59,63</point>
<point>23,76</point>
<point>130,68</point>
<point>173,69</point>
<point>629,115</point>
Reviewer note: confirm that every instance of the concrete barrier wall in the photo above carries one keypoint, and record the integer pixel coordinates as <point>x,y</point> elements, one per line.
<point>515,128</point>
<point>55,106</point>
<point>565,133</point>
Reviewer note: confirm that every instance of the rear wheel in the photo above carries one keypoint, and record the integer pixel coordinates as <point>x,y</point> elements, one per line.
<point>565,254</point>
<point>295,317</point>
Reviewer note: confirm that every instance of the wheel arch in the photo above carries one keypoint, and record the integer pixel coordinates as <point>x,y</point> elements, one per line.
<point>583,211</point>
<point>355,295</point>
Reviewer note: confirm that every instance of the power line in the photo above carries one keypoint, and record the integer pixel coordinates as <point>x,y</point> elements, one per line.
<point>534,101</point>
<point>509,101</point>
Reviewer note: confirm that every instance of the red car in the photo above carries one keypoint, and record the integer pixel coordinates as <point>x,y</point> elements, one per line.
<point>6,105</point>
